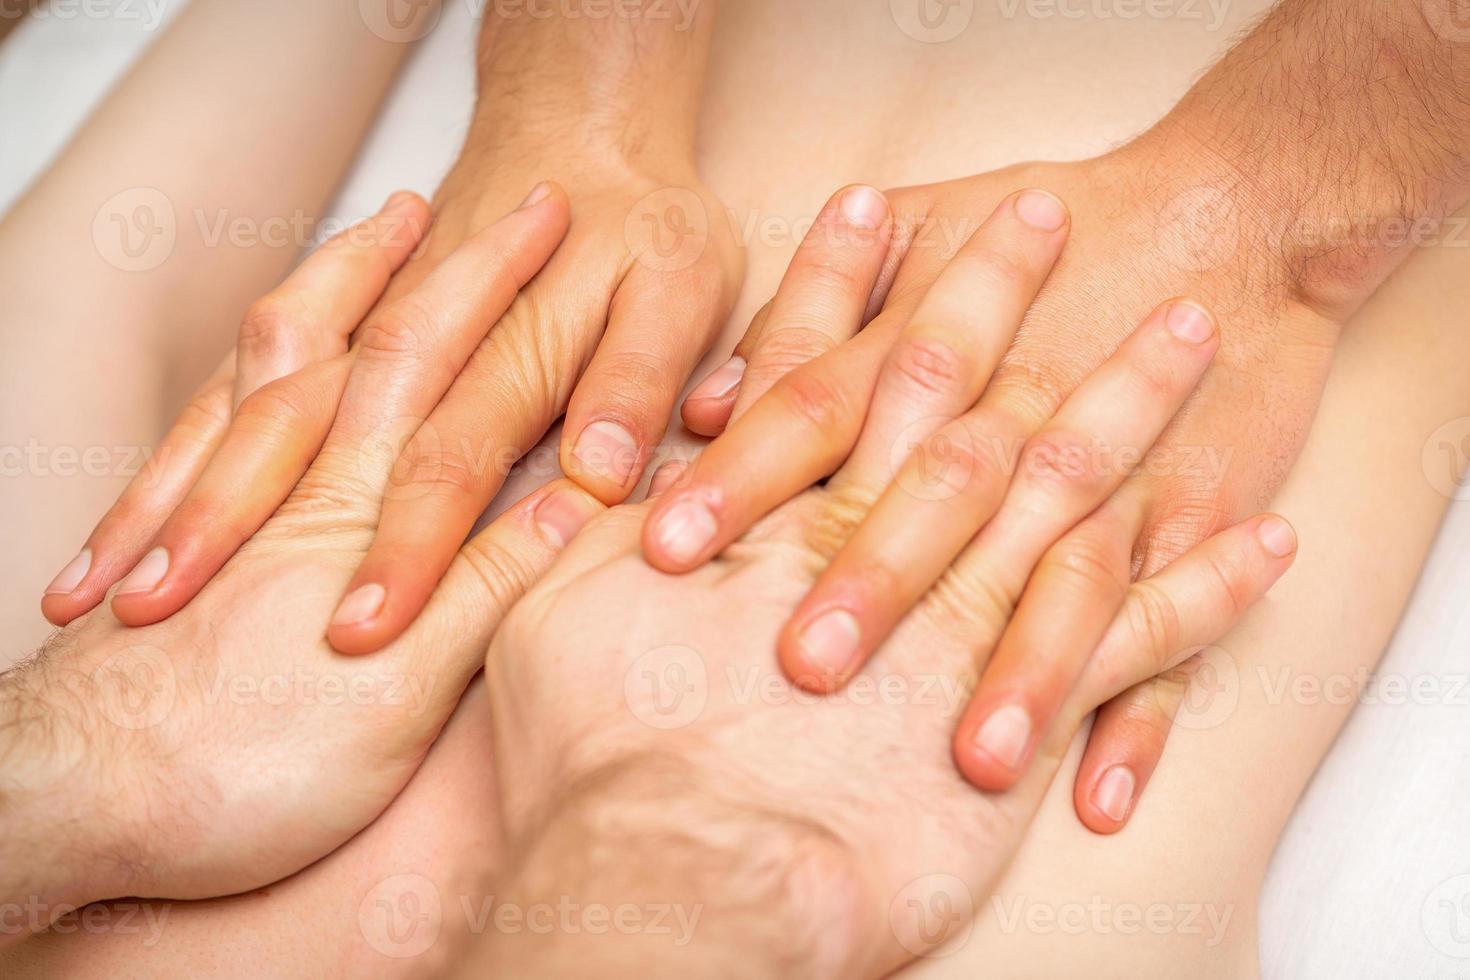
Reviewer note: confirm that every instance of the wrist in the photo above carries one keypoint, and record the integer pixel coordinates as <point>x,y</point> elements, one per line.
<point>67,798</point>
<point>705,885</point>
<point>1337,135</point>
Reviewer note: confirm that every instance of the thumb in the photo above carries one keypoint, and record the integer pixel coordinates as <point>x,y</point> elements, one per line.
<point>498,565</point>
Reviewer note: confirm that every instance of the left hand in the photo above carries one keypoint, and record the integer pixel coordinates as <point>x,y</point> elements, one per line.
<point>607,332</point>
<point>1222,457</point>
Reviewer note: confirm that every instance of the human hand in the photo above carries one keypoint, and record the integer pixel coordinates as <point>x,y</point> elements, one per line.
<point>1219,459</point>
<point>648,751</point>
<point>189,758</point>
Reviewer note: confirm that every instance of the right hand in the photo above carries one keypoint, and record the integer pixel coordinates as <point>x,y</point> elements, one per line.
<point>209,740</point>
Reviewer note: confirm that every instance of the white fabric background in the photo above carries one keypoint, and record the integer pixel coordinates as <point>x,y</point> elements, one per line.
<point>1372,879</point>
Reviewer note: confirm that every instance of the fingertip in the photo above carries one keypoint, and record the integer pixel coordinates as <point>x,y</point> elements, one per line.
<point>560,513</point>
<point>992,747</point>
<point>1041,210</point>
<point>680,533</point>
<point>1104,800</point>
<point>1277,537</point>
<point>666,477</point>
<point>708,417</point>
<point>359,625</point>
<point>605,458</point>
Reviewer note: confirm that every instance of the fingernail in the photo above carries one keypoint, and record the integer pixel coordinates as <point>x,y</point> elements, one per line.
<point>360,604</point>
<point>608,450</point>
<point>1040,210</point>
<point>1004,735</point>
<point>723,380</point>
<point>863,207</point>
<point>147,573</point>
<point>830,642</point>
<point>71,576</point>
<point>538,194</point>
<point>1190,323</point>
<point>398,200</point>
<point>686,529</point>
<point>561,515</point>
<point>1113,793</point>
<point>1276,536</point>
<point>667,475</point>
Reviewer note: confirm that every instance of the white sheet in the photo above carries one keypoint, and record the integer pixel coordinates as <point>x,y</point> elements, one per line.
<point>1372,879</point>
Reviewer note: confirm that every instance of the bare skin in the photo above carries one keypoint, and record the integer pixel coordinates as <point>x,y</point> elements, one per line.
<point>1405,540</point>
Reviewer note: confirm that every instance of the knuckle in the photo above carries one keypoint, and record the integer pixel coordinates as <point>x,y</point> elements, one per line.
<point>1087,563</point>
<point>1152,379</point>
<point>505,572</point>
<point>397,331</point>
<point>1065,461</point>
<point>815,400</point>
<point>1154,620</point>
<point>996,269</point>
<point>282,405</point>
<point>789,346</point>
<point>975,603</point>
<point>268,324</point>
<point>928,365</point>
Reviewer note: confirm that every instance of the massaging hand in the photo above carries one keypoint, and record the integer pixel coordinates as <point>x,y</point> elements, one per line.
<point>649,750</point>
<point>228,745</point>
<point>628,303</point>
<point>1143,228</point>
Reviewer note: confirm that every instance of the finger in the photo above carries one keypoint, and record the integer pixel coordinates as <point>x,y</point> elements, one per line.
<point>446,475</point>
<point>497,566</point>
<point>666,477</point>
<point>122,536</point>
<point>410,350</point>
<point>1124,747</point>
<point>797,434</point>
<point>958,333</point>
<point>621,405</point>
<point>824,298</point>
<point>1080,583</point>
<point>1164,621</point>
<point>310,315</point>
<point>1067,469</point>
<point>952,487</point>
<point>275,435</point>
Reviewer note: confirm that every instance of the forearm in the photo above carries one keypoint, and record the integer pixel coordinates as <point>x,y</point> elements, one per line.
<point>1344,127</point>
<point>64,837</point>
<point>619,81</point>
